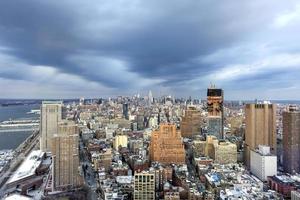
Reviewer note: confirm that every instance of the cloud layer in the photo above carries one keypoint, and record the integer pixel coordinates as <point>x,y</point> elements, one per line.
<point>67,49</point>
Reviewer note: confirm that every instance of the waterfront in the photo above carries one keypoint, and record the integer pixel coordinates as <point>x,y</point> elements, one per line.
<point>11,140</point>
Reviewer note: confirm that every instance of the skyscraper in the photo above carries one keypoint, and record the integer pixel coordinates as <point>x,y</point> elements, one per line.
<point>150,96</point>
<point>125,111</point>
<point>191,122</point>
<point>65,157</point>
<point>260,128</point>
<point>291,140</point>
<point>166,145</point>
<point>51,114</point>
<point>215,98</point>
<point>144,186</point>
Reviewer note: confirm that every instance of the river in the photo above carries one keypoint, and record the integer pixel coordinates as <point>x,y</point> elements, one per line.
<point>11,140</point>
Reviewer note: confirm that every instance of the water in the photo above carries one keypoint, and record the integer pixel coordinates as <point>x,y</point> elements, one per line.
<point>18,112</point>
<point>11,140</point>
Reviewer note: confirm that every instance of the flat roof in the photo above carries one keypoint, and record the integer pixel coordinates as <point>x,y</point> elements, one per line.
<point>124,179</point>
<point>17,197</point>
<point>28,166</point>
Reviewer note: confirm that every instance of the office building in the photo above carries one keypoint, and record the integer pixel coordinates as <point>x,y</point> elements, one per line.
<point>214,126</point>
<point>260,128</point>
<point>150,98</point>
<point>215,98</point>
<point>140,120</point>
<point>166,145</point>
<point>125,111</point>
<point>291,140</point>
<point>144,186</point>
<point>191,122</point>
<point>65,157</point>
<point>51,115</point>
<point>263,163</point>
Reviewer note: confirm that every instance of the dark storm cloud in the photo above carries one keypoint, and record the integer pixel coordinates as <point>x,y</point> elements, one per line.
<point>124,44</point>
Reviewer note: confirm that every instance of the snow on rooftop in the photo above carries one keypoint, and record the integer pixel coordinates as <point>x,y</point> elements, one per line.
<point>17,197</point>
<point>28,167</point>
<point>124,179</point>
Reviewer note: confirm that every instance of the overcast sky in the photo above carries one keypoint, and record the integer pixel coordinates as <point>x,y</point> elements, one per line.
<point>66,49</point>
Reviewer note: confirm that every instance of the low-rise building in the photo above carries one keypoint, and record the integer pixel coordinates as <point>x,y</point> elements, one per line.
<point>120,141</point>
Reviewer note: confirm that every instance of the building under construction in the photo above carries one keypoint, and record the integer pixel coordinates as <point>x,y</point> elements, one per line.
<point>215,120</point>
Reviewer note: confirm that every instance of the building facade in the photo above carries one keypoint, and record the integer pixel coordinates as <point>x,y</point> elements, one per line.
<point>65,157</point>
<point>51,115</point>
<point>295,195</point>
<point>120,141</point>
<point>222,152</point>
<point>291,140</point>
<point>263,163</point>
<point>102,159</point>
<point>144,186</point>
<point>191,122</point>
<point>260,128</point>
<point>126,111</point>
<point>225,152</point>
<point>214,126</point>
<point>166,145</point>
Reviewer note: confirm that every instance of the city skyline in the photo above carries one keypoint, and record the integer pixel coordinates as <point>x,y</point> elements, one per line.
<point>109,48</point>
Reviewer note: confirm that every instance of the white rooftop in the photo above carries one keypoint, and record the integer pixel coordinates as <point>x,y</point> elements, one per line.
<point>124,179</point>
<point>17,197</point>
<point>28,167</point>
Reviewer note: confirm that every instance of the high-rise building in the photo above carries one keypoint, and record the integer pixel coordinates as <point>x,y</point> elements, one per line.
<point>65,157</point>
<point>166,145</point>
<point>150,96</point>
<point>260,127</point>
<point>215,98</point>
<point>140,119</point>
<point>125,111</point>
<point>214,126</point>
<point>291,140</point>
<point>144,186</point>
<point>191,122</point>
<point>263,163</point>
<point>51,114</point>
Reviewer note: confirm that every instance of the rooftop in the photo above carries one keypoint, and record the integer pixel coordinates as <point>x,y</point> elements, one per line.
<point>28,167</point>
<point>17,197</point>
